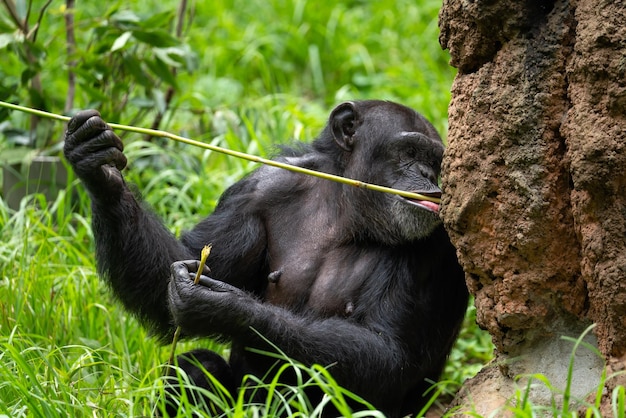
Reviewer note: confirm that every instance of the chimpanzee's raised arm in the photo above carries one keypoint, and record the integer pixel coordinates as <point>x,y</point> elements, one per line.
<point>134,250</point>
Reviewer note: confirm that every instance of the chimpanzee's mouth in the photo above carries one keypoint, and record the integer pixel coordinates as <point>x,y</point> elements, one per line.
<point>425,204</point>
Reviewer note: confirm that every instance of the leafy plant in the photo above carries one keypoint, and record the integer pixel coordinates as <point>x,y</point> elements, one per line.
<point>120,58</point>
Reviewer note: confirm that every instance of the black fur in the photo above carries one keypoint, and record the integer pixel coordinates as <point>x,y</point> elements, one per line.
<point>331,274</point>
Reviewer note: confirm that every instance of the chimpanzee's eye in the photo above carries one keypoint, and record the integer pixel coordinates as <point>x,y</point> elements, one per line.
<point>411,152</point>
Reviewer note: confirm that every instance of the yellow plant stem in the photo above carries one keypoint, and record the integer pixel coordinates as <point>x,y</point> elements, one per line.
<point>238,154</point>
<point>204,254</point>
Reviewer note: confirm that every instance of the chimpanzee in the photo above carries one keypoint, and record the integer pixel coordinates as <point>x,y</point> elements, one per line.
<point>364,282</point>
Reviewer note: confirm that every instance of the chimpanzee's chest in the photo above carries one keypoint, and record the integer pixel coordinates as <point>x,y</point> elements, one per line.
<point>312,263</point>
<point>314,273</point>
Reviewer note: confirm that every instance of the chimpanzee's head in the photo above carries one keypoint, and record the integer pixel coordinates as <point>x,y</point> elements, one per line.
<point>391,145</point>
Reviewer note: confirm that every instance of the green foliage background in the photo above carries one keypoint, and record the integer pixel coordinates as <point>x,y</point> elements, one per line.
<point>246,75</point>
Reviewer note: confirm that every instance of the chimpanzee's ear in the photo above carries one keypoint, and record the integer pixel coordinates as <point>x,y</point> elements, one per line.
<point>344,121</point>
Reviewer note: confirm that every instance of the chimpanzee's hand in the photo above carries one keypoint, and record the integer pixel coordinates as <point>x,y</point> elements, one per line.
<point>210,307</point>
<point>95,153</point>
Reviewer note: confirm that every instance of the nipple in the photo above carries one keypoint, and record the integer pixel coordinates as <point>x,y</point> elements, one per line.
<point>274,276</point>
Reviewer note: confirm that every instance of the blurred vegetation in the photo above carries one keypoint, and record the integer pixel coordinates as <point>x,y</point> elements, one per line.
<point>245,75</point>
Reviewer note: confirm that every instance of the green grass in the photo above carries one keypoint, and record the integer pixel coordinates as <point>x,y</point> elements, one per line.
<point>258,73</point>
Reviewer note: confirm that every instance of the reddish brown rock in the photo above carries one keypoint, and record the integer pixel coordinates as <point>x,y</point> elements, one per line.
<point>534,176</point>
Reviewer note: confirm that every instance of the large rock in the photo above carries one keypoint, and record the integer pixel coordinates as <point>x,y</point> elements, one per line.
<point>534,176</point>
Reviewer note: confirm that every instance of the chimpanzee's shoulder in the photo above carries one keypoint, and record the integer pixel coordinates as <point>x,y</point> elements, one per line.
<point>269,185</point>
<point>277,179</point>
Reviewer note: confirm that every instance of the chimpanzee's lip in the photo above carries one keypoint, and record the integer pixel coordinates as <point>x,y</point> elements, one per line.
<point>424,204</point>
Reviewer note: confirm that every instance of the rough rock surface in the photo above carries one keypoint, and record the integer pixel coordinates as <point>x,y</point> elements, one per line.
<point>534,176</point>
